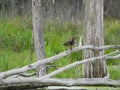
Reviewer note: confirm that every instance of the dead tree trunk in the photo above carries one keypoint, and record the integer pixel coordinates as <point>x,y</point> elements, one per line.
<point>94,36</point>
<point>38,34</point>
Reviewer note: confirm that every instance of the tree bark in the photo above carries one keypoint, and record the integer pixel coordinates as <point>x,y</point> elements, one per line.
<point>38,34</point>
<point>94,36</point>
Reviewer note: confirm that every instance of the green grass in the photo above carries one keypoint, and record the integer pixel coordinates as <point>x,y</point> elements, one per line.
<point>114,71</point>
<point>10,59</point>
<point>112,31</point>
<point>55,35</point>
<point>13,35</point>
<point>112,36</point>
<point>15,44</point>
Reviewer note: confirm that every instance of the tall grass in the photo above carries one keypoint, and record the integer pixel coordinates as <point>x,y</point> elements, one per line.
<point>13,36</point>
<point>112,31</point>
<point>112,36</point>
<point>16,38</point>
<point>114,71</point>
<point>55,35</point>
<point>10,59</point>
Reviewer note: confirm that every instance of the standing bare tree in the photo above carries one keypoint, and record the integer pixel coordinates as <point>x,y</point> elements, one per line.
<point>94,36</point>
<point>38,34</point>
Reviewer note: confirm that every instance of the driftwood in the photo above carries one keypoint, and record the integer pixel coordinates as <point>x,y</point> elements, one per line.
<point>6,80</point>
<point>78,63</point>
<point>37,82</point>
<point>53,58</point>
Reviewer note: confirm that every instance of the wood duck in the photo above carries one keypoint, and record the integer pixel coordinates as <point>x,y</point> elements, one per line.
<point>70,43</point>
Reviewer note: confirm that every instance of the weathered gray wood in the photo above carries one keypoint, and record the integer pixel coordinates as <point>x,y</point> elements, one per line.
<point>35,81</point>
<point>105,57</point>
<point>38,34</point>
<point>51,59</point>
<point>94,36</point>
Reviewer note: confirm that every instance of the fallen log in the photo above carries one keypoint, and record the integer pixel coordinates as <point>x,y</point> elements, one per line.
<point>78,63</point>
<point>37,82</point>
<point>51,59</point>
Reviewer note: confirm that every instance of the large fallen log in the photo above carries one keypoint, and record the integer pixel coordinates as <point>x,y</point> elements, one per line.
<point>37,82</point>
<point>53,58</point>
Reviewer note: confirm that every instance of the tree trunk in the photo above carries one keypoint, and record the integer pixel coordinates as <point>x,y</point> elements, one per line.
<point>94,36</point>
<point>38,34</point>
